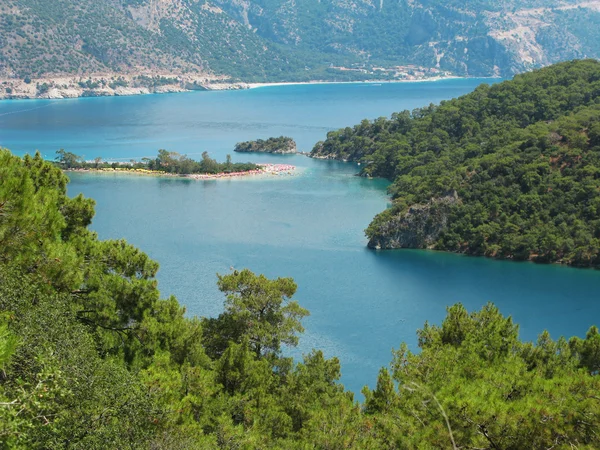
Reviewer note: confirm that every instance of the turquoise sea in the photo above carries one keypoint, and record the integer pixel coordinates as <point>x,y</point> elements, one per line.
<point>309,226</point>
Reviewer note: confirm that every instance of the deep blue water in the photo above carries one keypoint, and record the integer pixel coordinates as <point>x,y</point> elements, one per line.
<point>309,226</point>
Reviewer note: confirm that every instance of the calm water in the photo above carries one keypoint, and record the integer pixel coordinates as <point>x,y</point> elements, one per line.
<point>309,226</point>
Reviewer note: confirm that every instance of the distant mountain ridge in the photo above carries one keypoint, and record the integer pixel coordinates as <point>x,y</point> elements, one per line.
<point>82,37</point>
<point>268,40</point>
<point>480,37</point>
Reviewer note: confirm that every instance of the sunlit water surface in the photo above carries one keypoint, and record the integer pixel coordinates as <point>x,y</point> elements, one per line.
<point>309,226</point>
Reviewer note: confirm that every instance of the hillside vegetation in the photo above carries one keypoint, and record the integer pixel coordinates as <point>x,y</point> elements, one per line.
<point>478,38</point>
<point>266,40</point>
<point>281,144</point>
<point>67,37</point>
<point>511,170</point>
<point>91,357</point>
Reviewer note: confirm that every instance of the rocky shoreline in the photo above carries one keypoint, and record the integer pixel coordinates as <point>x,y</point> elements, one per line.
<point>418,227</point>
<point>107,85</point>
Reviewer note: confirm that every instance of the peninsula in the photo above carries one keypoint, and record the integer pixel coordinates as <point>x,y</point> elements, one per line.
<point>172,164</point>
<point>508,171</point>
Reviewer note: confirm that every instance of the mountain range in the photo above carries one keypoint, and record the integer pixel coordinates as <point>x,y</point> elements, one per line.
<point>276,40</point>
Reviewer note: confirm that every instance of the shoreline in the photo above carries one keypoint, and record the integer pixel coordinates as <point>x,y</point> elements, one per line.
<point>111,85</point>
<point>60,88</point>
<point>317,82</point>
<point>265,169</point>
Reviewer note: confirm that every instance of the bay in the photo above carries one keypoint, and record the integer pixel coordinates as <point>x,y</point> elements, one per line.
<point>309,226</point>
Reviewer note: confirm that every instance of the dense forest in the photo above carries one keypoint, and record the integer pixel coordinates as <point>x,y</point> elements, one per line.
<point>92,357</point>
<point>165,162</point>
<point>511,170</point>
<point>281,144</point>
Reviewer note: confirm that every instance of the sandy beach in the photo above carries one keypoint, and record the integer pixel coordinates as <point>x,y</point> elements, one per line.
<point>294,83</point>
<point>265,169</point>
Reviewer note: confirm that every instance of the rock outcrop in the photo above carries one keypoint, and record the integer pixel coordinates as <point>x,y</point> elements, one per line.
<point>280,145</point>
<point>418,227</point>
<point>111,84</point>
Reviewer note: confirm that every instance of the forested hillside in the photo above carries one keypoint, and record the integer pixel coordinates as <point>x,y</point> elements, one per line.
<point>262,40</point>
<point>511,170</point>
<point>91,357</point>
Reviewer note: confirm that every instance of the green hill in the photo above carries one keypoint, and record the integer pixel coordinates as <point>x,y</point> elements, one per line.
<point>511,170</point>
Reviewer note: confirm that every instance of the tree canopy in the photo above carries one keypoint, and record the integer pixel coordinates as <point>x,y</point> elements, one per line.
<point>165,161</point>
<point>92,357</point>
<point>519,161</point>
<point>259,310</point>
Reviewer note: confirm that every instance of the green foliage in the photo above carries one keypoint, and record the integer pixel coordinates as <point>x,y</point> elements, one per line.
<point>281,144</point>
<point>91,357</point>
<point>261,311</point>
<point>8,343</point>
<point>169,162</point>
<point>68,160</point>
<point>522,157</point>
<point>173,162</point>
<point>56,388</point>
<point>474,384</point>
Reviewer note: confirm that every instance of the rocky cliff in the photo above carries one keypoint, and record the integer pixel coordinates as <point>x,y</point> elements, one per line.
<point>418,227</point>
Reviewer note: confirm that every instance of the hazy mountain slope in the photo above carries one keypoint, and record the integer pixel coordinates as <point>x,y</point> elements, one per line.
<point>198,30</point>
<point>475,37</point>
<point>89,36</point>
<point>290,40</point>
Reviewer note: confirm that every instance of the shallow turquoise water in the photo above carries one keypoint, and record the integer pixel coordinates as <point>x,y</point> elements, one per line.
<point>309,226</point>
